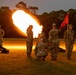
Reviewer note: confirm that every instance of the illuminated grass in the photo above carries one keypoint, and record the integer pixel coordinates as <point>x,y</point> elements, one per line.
<point>17,63</point>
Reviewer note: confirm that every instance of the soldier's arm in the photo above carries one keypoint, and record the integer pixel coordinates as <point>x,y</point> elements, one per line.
<point>2,32</point>
<point>74,36</point>
<point>50,36</point>
<point>46,47</point>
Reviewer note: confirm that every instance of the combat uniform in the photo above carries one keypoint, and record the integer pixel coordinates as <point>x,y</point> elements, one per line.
<point>41,50</point>
<point>29,41</point>
<point>42,35</point>
<point>69,38</point>
<point>54,43</point>
<point>2,49</point>
<point>1,36</point>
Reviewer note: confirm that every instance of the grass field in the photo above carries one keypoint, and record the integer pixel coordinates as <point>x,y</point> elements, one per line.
<point>16,62</point>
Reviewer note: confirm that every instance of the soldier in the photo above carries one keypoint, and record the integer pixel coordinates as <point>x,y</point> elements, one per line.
<point>54,41</point>
<point>29,41</point>
<point>2,49</point>
<point>69,38</point>
<point>41,50</point>
<point>1,35</point>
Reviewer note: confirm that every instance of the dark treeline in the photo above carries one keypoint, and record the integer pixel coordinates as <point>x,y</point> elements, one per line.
<point>46,19</point>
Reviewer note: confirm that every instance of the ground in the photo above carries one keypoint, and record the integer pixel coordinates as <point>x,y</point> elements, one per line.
<point>17,63</point>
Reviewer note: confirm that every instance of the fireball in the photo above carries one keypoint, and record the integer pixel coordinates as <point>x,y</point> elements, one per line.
<point>22,20</point>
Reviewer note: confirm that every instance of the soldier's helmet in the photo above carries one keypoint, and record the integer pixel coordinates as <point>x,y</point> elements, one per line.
<point>54,25</point>
<point>70,25</point>
<point>31,26</point>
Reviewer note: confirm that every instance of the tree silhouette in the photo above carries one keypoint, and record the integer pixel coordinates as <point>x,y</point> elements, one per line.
<point>33,9</point>
<point>21,5</point>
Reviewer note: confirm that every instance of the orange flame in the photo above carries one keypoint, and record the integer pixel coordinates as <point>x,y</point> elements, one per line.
<point>22,20</point>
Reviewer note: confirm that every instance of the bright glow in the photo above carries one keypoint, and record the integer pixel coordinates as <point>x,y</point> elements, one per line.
<point>17,47</point>
<point>22,20</point>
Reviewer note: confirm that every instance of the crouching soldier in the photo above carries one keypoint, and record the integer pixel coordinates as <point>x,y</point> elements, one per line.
<point>41,50</point>
<point>42,35</point>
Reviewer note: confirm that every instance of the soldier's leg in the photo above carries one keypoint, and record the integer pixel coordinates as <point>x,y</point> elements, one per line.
<point>31,44</point>
<point>28,50</point>
<point>52,50</point>
<point>53,54</point>
<point>43,58</point>
<point>69,54</point>
<point>56,52</point>
<point>29,47</point>
<point>67,49</point>
<point>70,51</point>
<point>4,50</point>
<point>38,58</point>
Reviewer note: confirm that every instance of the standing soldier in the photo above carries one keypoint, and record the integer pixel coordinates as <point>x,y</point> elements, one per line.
<point>29,41</point>
<point>2,49</point>
<point>54,41</point>
<point>1,36</point>
<point>69,38</point>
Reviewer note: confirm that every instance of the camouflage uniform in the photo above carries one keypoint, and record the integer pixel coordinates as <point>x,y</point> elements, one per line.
<point>41,50</point>
<point>29,41</point>
<point>4,50</point>
<point>1,36</point>
<point>54,42</point>
<point>69,38</point>
<point>42,35</point>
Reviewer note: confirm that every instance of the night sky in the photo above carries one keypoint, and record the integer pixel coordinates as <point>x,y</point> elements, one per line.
<point>43,5</point>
